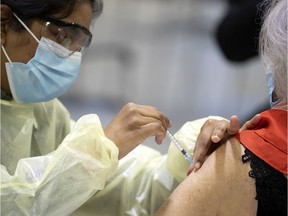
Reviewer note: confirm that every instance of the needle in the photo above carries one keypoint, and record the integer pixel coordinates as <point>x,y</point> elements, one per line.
<point>178,145</point>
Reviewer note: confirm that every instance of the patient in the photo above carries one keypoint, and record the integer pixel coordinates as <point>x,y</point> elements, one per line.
<point>247,174</point>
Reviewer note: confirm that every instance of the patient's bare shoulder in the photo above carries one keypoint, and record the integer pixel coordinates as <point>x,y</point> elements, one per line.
<point>221,187</point>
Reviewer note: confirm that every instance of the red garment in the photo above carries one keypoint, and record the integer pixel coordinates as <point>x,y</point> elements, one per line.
<point>268,140</point>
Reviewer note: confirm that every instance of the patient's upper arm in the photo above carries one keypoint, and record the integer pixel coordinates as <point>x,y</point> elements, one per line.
<point>221,187</point>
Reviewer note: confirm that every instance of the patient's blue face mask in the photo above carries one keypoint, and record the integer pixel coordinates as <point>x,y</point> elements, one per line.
<point>271,87</point>
<point>46,76</point>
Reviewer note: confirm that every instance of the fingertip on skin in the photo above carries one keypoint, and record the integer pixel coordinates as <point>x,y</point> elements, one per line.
<point>215,138</point>
<point>194,168</point>
<point>197,165</point>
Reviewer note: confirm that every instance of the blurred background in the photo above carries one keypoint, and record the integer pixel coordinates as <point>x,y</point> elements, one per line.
<point>164,53</point>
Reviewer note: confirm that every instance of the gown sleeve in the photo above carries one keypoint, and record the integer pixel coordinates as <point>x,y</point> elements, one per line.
<point>60,182</point>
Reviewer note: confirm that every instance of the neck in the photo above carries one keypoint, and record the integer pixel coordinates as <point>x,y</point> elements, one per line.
<point>282,105</point>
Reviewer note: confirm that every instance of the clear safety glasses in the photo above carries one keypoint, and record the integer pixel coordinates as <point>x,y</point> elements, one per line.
<point>72,36</point>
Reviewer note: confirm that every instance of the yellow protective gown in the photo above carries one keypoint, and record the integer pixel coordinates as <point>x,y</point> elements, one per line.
<point>49,169</point>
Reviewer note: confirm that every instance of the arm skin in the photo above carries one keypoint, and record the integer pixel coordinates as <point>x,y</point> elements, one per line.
<point>221,187</point>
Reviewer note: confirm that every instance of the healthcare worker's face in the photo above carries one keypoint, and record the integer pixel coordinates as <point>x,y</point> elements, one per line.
<point>21,46</point>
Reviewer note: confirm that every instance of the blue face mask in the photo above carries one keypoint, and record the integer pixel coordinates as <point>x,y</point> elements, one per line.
<point>271,87</point>
<point>46,76</point>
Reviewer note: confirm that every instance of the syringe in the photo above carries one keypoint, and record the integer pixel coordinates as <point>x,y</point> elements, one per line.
<point>183,151</point>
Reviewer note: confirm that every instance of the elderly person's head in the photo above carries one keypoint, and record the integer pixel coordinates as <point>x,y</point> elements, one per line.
<point>273,47</point>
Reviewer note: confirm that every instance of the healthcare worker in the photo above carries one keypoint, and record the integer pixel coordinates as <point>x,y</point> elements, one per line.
<point>51,168</point>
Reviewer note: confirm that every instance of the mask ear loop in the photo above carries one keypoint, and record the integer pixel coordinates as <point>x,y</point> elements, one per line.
<point>25,26</point>
<point>5,53</point>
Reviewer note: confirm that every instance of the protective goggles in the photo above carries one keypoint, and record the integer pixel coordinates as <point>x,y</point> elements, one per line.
<point>74,37</point>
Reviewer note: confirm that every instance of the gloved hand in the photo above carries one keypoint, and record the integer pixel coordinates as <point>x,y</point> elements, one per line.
<point>133,124</point>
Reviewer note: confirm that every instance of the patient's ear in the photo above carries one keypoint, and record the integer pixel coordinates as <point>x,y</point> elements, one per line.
<point>6,17</point>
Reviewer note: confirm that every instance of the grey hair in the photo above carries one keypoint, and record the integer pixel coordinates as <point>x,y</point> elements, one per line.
<point>273,44</point>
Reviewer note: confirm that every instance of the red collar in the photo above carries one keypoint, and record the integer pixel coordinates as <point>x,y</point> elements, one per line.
<point>268,140</point>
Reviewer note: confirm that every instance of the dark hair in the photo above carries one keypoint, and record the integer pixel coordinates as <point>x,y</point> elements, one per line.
<point>29,9</point>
